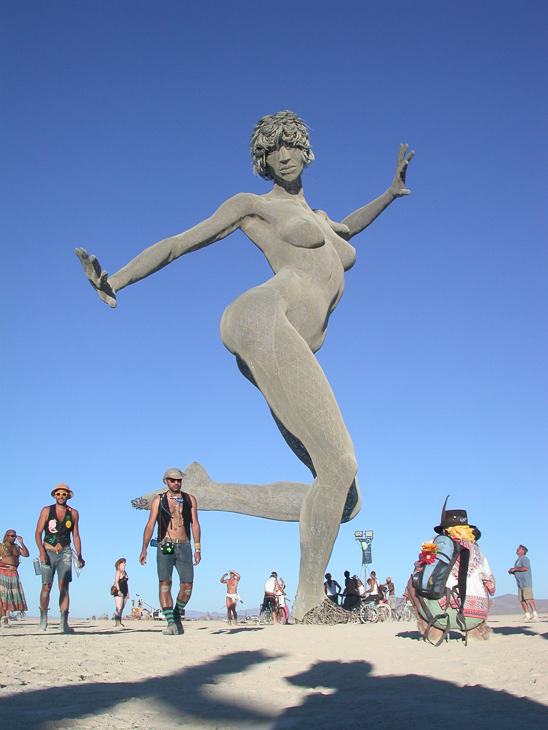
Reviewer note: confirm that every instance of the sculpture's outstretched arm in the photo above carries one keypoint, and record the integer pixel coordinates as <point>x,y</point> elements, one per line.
<point>363,217</point>
<point>222,223</point>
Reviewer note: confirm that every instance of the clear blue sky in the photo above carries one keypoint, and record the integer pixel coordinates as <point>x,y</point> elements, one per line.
<point>126,122</point>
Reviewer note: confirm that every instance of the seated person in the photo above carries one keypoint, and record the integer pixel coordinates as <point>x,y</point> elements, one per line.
<point>350,593</point>
<point>270,594</point>
<point>331,588</point>
<point>374,592</point>
<point>480,584</point>
<point>359,586</point>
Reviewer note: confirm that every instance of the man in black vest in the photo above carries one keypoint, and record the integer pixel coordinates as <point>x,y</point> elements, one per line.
<point>177,515</point>
<point>58,522</point>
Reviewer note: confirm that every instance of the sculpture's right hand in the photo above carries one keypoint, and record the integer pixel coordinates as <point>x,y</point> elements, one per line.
<point>97,278</point>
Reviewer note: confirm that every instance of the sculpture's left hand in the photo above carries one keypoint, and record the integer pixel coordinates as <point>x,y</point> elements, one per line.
<point>398,184</point>
<point>97,278</point>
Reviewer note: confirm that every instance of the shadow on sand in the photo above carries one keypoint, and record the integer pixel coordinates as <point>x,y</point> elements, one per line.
<point>338,690</point>
<point>513,630</point>
<point>405,701</point>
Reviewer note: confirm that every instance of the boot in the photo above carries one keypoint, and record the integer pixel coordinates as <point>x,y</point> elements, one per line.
<point>64,628</point>
<point>43,620</point>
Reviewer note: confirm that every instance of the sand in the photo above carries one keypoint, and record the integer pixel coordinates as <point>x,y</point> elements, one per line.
<point>274,677</point>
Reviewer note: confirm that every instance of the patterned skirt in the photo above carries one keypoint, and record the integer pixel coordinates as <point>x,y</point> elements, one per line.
<point>12,597</point>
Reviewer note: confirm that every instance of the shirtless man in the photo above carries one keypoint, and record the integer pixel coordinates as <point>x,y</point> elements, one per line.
<point>12,597</point>
<point>58,522</point>
<point>231,579</point>
<point>389,586</point>
<point>176,513</point>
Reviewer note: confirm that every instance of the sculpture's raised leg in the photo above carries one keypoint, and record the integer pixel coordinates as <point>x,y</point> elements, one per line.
<point>275,501</point>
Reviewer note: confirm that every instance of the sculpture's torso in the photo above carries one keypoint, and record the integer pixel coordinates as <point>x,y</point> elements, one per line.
<point>308,258</point>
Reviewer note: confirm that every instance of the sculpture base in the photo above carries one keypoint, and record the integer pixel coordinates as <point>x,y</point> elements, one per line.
<point>328,614</point>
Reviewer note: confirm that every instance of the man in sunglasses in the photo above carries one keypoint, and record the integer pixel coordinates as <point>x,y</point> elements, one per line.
<point>176,513</point>
<point>57,523</point>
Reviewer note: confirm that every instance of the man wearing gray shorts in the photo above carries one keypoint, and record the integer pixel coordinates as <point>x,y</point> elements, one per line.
<point>57,523</point>
<point>524,579</point>
<point>176,513</point>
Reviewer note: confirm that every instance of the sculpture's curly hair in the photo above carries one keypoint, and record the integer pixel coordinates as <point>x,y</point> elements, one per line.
<point>273,130</point>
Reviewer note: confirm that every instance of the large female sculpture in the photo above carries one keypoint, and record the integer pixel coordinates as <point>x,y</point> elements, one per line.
<point>274,331</point>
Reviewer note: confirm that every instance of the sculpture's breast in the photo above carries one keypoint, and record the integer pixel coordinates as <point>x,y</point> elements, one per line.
<point>301,232</point>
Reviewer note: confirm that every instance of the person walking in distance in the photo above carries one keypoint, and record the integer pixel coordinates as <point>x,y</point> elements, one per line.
<point>58,523</point>
<point>176,513</point>
<point>232,596</point>
<point>121,596</point>
<point>12,597</point>
<point>524,578</point>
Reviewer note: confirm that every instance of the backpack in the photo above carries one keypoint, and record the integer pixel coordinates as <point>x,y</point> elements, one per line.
<point>429,580</point>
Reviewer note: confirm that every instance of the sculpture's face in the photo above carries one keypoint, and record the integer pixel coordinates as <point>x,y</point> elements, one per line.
<point>285,164</point>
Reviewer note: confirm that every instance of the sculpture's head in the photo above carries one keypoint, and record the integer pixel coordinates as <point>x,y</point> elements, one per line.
<point>284,128</point>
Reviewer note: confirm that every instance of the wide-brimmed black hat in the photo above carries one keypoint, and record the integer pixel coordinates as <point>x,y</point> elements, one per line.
<point>454,518</point>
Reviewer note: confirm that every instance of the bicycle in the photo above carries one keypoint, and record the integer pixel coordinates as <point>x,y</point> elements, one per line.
<point>266,614</point>
<point>386,612</point>
<point>365,613</point>
<point>404,612</point>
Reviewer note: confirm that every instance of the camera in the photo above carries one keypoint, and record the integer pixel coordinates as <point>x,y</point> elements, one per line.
<point>167,548</point>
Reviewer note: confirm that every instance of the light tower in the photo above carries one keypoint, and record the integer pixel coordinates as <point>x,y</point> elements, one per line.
<point>365,538</point>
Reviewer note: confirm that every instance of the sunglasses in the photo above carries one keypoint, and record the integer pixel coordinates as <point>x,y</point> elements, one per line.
<point>11,534</point>
<point>61,494</point>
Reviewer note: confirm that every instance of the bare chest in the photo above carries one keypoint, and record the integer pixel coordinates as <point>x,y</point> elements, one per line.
<point>176,527</point>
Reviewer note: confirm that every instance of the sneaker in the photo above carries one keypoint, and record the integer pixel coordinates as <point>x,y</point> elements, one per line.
<point>527,617</point>
<point>179,625</point>
<point>535,617</point>
<point>170,630</point>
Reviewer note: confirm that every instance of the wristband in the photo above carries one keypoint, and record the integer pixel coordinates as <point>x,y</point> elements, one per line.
<point>197,545</point>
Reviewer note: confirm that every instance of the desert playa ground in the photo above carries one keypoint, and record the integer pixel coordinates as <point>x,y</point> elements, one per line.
<point>347,676</point>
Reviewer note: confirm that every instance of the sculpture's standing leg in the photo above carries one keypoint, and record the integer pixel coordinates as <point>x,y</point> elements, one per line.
<point>256,329</point>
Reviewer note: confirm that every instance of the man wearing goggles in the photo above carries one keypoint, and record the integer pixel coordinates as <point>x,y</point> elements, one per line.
<point>176,513</point>
<point>57,523</point>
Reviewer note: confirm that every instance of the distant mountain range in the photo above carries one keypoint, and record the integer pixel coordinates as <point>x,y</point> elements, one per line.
<point>216,615</point>
<point>502,605</point>
<point>508,603</point>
